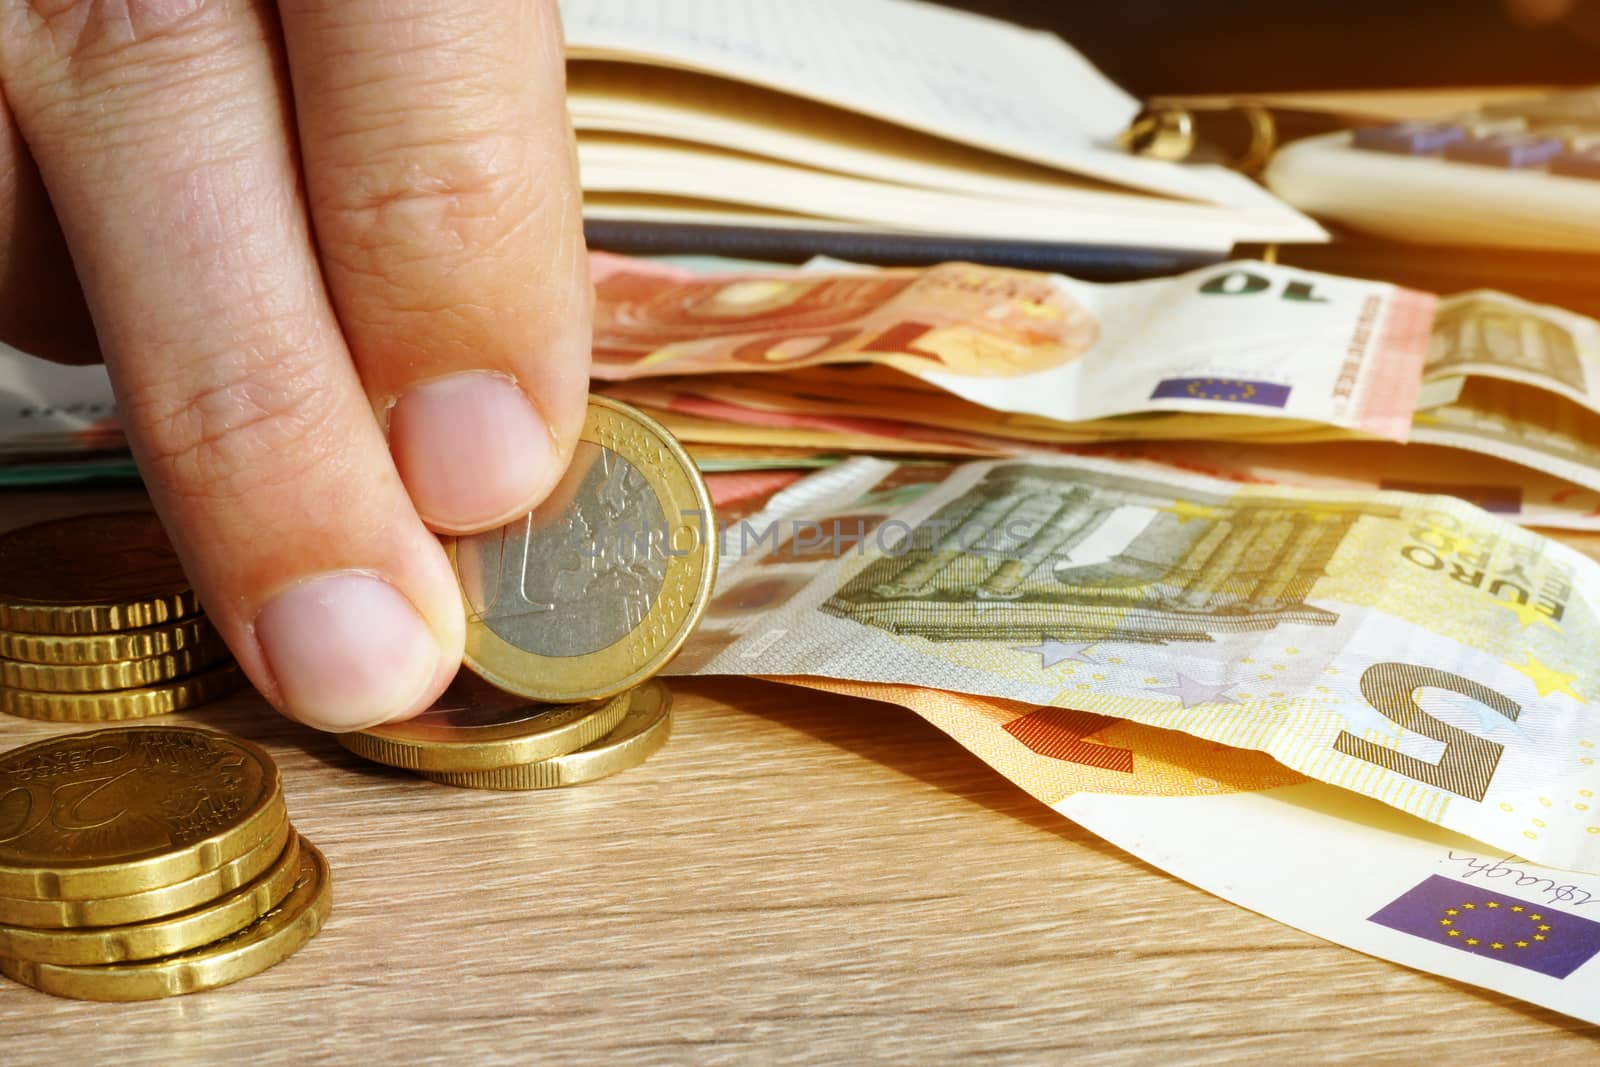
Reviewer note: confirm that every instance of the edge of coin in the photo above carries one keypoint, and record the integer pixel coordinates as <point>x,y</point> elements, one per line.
<point>446,756</point>
<point>147,671</point>
<point>71,616</point>
<point>120,705</point>
<point>602,759</point>
<point>480,651</point>
<point>87,878</point>
<point>82,619</point>
<point>553,773</point>
<point>84,649</point>
<point>166,936</point>
<point>152,903</point>
<point>271,939</point>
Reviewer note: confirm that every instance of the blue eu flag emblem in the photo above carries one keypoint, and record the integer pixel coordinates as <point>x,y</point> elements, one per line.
<point>1495,925</point>
<point>1231,390</point>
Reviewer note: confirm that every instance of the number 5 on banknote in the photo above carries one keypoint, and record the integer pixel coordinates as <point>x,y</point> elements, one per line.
<point>1466,765</point>
<point>1411,648</point>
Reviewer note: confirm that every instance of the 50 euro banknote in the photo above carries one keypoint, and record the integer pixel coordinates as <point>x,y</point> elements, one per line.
<point>1413,649</point>
<point>1243,338</point>
<point>1318,858</point>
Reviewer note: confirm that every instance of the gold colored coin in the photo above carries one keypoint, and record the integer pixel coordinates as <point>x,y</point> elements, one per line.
<point>639,736</point>
<point>107,648</point>
<point>270,939</point>
<point>476,727</point>
<point>120,704</point>
<point>91,574</point>
<point>168,936</point>
<point>151,904</point>
<point>119,811</point>
<point>598,588</point>
<point>107,677</point>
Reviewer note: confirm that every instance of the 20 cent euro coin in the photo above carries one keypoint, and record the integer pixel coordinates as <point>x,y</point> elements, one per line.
<point>595,590</point>
<point>121,811</point>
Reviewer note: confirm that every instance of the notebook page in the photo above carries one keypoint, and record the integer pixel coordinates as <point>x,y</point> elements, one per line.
<point>635,99</point>
<point>968,78</point>
<point>632,165</point>
<point>630,207</point>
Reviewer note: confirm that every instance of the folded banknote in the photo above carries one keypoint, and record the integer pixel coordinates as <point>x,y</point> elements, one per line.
<point>1310,855</point>
<point>1242,338</point>
<point>1414,649</point>
<point>1486,334</point>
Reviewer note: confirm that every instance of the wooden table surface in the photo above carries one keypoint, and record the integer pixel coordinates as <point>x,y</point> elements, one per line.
<point>793,878</point>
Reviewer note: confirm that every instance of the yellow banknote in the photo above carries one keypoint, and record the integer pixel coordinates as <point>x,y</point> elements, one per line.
<point>1414,649</point>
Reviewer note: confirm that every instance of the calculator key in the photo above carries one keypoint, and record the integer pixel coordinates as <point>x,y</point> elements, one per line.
<point>1506,150</point>
<point>1479,127</point>
<point>1581,163</point>
<point>1409,138</point>
<point>1574,136</point>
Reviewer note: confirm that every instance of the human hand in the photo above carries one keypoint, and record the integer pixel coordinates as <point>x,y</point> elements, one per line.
<point>333,256</point>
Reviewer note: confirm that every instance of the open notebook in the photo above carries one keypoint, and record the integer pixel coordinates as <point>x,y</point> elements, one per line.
<point>878,115</point>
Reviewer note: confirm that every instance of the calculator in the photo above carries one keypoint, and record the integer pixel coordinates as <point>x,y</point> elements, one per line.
<point>1523,174</point>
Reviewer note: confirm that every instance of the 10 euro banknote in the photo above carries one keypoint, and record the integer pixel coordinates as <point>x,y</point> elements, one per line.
<point>1244,338</point>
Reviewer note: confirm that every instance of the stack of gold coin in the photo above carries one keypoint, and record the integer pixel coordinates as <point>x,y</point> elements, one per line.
<point>149,861</point>
<point>481,737</point>
<point>98,623</point>
<point>573,607</point>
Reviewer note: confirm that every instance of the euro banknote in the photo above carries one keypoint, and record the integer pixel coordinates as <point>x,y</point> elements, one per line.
<point>1524,493</point>
<point>51,409</point>
<point>752,399</point>
<point>1414,649</point>
<point>1495,335</point>
<point>1243,338</point>
<point>872,419</point>
<point>1318,858</point>
<point>1524,425</point>
<point>1516,493</point>
<point>746,457</point>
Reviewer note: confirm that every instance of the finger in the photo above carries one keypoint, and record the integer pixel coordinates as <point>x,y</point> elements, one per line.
<point>240,400</point>
<point>41,304</point>
<point>445,202</point>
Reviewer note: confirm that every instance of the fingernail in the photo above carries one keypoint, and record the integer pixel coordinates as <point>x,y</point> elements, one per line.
<point>471,449</point>
<point>347,651</point>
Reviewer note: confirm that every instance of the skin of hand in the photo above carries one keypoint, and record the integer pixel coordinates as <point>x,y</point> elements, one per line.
<point>332,255</point>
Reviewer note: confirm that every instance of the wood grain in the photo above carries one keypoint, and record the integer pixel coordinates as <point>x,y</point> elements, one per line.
<point>793,878</point>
